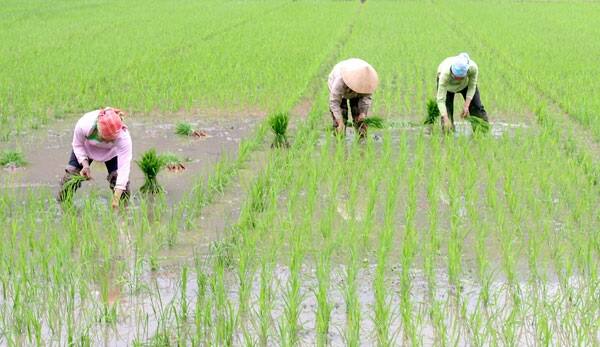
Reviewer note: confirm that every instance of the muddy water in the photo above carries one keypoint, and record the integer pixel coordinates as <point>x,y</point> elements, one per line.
<point>48,152</point>
<point>140,311</point>
<point>139,314</point>
<point>165,283</point>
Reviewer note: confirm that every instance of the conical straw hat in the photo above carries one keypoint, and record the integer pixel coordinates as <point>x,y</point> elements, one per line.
<point>359,76</point>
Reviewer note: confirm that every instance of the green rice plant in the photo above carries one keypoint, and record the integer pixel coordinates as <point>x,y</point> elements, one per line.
<point>12,158</point>
<point>351,299</point>
<point>171,159</point>
<point>479,125</point>
<point>433,112</point>
<point>151,164</point>
<point>324,307</point>
<point>184,129</point>
<point>382,314</point>
<point>172,162</point>
<point>69,187</point>
<point>279,125</point>
<point>265,303</point>
<point>374,122</point>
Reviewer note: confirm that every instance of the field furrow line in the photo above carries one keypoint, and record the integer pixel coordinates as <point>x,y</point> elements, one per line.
<point>218,227</point>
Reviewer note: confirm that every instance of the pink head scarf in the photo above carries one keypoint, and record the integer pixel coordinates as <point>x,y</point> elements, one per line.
<point>110,123</point>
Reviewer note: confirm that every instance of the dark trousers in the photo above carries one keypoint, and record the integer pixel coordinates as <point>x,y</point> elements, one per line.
<point>111,165</point>
<point>476,108</point>
<point>73,168</point>
<point>360,126</point>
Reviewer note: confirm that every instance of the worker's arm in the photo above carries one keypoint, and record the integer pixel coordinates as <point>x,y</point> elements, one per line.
<point>124,156</point>
<point>442,91</point>
<point>336,93</point>
<point>79,137</point>
<point>473,75</point>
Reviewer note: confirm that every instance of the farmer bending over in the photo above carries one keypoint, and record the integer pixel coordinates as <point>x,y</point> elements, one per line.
<point>458,75</point>
<point>353,81</point>
<point>101,135</point>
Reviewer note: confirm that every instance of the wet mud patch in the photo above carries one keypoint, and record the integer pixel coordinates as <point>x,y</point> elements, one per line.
<point>398,128</point>
<point>47,153</point>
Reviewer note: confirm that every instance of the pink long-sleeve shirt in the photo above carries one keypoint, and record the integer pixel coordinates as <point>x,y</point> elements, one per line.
<point>85,148</point>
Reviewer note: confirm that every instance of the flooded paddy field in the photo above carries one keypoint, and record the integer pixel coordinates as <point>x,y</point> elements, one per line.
<point>410,237</point>
<point>285,255</point>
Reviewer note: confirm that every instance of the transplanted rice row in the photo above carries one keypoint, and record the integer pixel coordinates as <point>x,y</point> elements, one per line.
<point>408,237</point>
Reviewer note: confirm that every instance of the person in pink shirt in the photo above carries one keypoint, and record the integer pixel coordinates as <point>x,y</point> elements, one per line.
<point>101,135</point>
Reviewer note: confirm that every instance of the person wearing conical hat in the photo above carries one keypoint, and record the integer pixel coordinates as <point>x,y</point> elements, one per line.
<point>101,135</point>
<point>458,74</point>
<point>351,81</point>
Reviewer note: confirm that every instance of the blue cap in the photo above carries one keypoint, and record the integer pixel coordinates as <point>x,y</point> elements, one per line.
<point>460,66</point>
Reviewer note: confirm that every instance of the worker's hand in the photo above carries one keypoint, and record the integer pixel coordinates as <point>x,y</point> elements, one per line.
<point>341,127</point>
<point>465,112</point>
<point>446,124</point>
<point>85,171</point>
<point>116,200</point>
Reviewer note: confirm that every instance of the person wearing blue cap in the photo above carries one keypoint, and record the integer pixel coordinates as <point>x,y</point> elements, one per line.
<point>458,74</point>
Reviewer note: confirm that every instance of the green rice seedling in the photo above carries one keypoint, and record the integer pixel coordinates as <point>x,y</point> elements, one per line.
<point>279,124</point>
<point>68,189</point>
<point>374,122</point>
<point>479,125</point>
<point>173,162</point>
<point>324,307</point>
<point>12,158</point>
<point>433,112</point>
<point>184,129</point>
<point>151,164</point>
<point>265,302</point>
<point>382,314</point>
<point>352,334</point>
<point>184,305</point>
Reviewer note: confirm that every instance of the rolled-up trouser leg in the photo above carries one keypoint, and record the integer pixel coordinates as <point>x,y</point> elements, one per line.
<point>360,126</point>
<point>63,192</point>
<point>344,106</point>
<point>73,168</point>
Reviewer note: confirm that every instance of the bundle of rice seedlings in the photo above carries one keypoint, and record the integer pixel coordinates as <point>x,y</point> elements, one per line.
<point>478,124</point>
<point>12,158</point>
<point>184,129</point>
<point>374,122</point>
<point>172,162</point>
<point>279,123</point>
<point>69,187</point>
<point>151,164</point>
<point>433,112</point>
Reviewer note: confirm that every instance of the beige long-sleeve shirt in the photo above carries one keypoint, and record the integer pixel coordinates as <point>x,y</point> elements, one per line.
<point>446,83</point>
<point>338,90</point>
